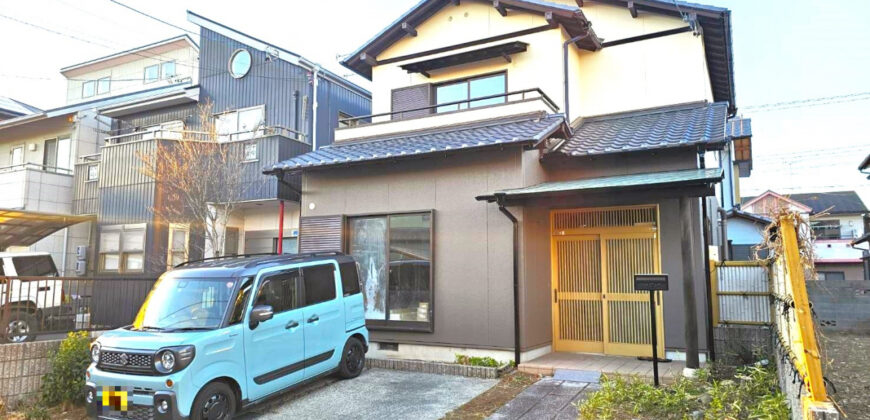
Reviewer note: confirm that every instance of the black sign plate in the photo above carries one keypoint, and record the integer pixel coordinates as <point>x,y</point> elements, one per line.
<point>650,282</point>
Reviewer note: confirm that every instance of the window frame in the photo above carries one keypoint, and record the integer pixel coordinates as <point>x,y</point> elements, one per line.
<point>256,148</point>
<point>108,80</point>
<point>121,252</point>
<point>93,92</point>
<point>88,172</point>
<point>303,296</point>
<point>175,67</point>
<point>145,78</point>
<point>170,251</point>
<point>12,150</point>
<point>241,135</point>
<point>236,52</point>
<point>388,324</point>
<point>469,99</point>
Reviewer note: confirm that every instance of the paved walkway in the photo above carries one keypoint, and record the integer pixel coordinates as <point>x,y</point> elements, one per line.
<point>376,394</point>
<point>609,365</point>
<point>553,398</point>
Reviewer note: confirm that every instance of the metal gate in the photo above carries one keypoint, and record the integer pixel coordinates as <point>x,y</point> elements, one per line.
<point>594,255</point>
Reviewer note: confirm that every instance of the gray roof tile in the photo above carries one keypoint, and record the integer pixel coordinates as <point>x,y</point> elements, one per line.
<point>517,129</point>
<point>658,128</point>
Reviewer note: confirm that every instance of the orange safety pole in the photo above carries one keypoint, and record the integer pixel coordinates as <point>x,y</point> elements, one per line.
<point>810,357</point>
<point>280,226</point>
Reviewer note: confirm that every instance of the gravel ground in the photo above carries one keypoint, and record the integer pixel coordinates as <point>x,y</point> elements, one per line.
<point>376,394</point>
<point>848,367</point>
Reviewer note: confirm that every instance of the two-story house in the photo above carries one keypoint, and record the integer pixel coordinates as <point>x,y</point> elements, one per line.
<point>267,104</point>
<point>38,151</point>
<point>523,161</point>
<point>837,219</point>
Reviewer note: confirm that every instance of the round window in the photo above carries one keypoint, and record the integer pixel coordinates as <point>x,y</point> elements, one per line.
<point>240,63</point>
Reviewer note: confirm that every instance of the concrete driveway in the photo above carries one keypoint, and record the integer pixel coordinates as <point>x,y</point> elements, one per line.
<point>376,394</point>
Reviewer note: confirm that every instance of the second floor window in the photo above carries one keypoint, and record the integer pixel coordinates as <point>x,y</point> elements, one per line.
<point>152,73</point>
<point>16,155</point>
<point>466,89</point>
<point>241,124</point>
<point>103,85</point>
<point>57,154</point>
<point>88,89</point>
<point>167,70</point>
<point>93,172</point>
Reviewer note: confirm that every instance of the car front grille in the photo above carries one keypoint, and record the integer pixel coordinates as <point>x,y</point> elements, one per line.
<point>134,412</point>
<point>126,362</point>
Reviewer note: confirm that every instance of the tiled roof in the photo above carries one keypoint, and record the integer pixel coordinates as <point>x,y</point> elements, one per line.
<point>739,127</point>
<point>517,129</point>
<point>678,178</point>
<point>685,125</point>
<point>836,202</point>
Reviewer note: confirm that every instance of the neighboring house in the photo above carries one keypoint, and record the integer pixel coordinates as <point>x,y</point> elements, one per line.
<point>837,219</point>
<point>497,205</point>
<point>10,108</point>
<point>863,242</point>
<point>167,62</point>
<point>745,234</point>
<point>264,104</point>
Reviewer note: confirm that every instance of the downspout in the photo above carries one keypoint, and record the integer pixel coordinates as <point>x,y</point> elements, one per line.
<point>705,224</point>
<point>565,72</point>
<point>723,229</point>
<point>314,110</point>
<point>516,269</point>
<point>63,256</point>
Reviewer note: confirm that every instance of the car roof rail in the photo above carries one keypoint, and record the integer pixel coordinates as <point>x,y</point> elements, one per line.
<point>258,254</point>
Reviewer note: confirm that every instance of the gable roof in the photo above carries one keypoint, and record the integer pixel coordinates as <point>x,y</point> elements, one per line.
<point>748,201</point>
<point>757,218</point>
<point>15,108</point>
<point>835,202</point>
<point>685,125</point>
<point>570,17</point>
<point>529,128</point>
<point>284,54</point>
<point>71,70</point>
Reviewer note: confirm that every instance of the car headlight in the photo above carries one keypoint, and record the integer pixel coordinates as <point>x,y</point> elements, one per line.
<point>173,359</point>
<point>95,352</point>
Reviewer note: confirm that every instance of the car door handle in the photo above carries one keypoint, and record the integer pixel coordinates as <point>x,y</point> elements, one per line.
<point>314,318</point>
<point>291,324</point>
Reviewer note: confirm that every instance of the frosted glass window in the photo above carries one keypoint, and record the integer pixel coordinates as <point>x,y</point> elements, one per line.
<point>134,240</point>
<point>368,244</point>
<point>64,154</point>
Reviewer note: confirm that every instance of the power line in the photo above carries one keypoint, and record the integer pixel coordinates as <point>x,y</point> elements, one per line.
<point>153,17</point>
<point>799,103</point>
<point>53,31</point>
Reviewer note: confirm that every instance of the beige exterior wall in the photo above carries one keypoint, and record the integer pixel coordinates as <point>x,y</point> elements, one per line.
<point>129,76</point>
<point>472,246</point>
<point>658,72</point>
<point>853,271</point>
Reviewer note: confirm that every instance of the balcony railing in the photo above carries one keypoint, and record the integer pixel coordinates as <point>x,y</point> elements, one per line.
<point>191,135</point>
<point>35,167</point>
<point>460,106</point>
<point>835,232</point>
<point>37,187</point>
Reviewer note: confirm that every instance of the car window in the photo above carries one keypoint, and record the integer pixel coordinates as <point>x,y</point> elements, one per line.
<point>279,291</point>
<point>240,303</point>
<point>349,278</point>
<point>319,283</point>
<point>34,265</point>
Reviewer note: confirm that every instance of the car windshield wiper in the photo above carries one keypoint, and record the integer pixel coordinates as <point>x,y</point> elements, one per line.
<point>188,329</point>
<point>150,328</point>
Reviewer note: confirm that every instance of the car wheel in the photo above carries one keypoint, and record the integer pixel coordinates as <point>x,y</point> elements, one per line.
<point>353,359</point>
<point>20,327</point>
<point>216,401</point>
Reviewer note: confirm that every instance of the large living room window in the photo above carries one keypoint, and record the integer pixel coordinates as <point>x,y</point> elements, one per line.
<point>394,253</point>
<point>475,87</point>
<point>122,248</point>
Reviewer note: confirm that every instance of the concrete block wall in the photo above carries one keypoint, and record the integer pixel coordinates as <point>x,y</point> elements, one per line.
<point>841,305</point>
<point>21,368</point>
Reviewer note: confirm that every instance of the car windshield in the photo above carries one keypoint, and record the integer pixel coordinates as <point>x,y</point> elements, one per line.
<point>178,304</point>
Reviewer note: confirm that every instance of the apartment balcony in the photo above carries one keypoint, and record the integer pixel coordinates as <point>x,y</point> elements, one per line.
<point>444,114</point>
<point>836,233</point>
<point>36,187</point>
<point>120,183</point>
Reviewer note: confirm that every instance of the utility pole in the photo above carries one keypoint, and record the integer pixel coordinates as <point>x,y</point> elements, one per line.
<point>691,313</point>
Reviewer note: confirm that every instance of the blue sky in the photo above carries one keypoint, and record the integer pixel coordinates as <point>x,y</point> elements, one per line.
<point>783,51</point>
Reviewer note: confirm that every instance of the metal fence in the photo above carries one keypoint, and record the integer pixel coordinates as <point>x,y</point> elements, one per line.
<point>34,306</point>
<point>741,292</point>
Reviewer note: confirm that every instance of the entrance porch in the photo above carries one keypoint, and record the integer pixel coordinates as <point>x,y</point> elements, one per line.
<point>608,365</point>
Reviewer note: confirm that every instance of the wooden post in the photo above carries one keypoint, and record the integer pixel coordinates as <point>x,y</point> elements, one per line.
<point>690,308</point>
<point>810,357</point>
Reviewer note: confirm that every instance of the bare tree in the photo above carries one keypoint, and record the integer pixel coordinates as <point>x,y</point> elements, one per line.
<point>199,179</point>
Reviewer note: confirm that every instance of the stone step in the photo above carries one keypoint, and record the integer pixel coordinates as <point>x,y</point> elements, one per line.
<point>573,375</point>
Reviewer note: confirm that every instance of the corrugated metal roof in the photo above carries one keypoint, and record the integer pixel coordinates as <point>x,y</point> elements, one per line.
<point>739,127</point>
<point>501,131</point>
<point>666,127</point>
<point>652,180</point>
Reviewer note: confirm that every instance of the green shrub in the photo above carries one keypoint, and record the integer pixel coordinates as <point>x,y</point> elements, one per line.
<point>477,361</point>
<point>753,393</point>
<point>66,379</point>
<point>36,411</point>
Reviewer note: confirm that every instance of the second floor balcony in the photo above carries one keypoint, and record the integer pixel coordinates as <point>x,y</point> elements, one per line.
<point>445,113</point>
<point>836,232</point>
<point>36,187</point>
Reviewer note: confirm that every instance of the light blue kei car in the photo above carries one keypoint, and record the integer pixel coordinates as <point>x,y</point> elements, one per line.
<point>216,336</point>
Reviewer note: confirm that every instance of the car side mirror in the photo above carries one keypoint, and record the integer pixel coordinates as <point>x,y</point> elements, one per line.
<point>259,314</point>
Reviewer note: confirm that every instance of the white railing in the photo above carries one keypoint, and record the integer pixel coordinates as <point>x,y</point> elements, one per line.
<point>264,131</point>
